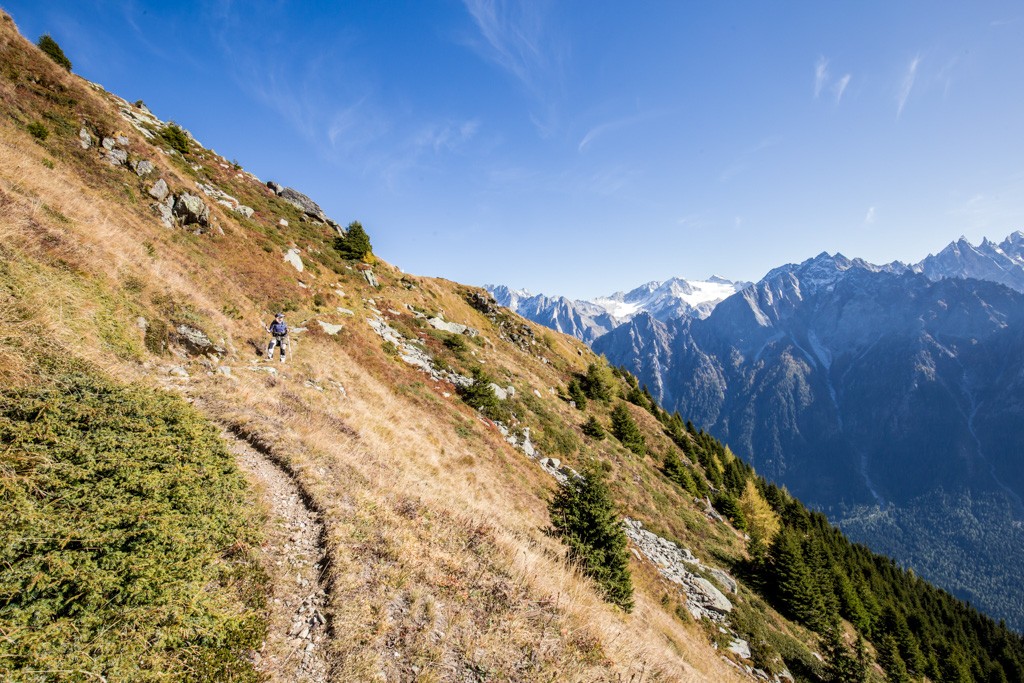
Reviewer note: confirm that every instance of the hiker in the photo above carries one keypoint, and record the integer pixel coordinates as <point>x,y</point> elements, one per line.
<point>279,337</point>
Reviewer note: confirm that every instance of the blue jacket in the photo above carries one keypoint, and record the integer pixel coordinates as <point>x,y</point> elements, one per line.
<point>278,329</point>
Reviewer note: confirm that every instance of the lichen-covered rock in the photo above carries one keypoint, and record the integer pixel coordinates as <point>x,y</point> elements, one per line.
<point>191,209</point>
<point>85,138</point>
<point>142,167</point>
<point>196,341</point>
<point>244,210</point>
<point>117,156</point>
<point>159,190</point>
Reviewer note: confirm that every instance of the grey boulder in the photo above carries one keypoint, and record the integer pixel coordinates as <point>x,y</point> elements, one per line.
<point>191,209</point>
<point>159,191</point>
<point>142,167</point>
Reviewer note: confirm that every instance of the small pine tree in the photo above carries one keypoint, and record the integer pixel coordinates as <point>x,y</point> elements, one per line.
<point>49,46</point>
<point>675,470</point>
<point>593,428</point>
<point>583,514</point>
<point>355,243</point>
<point>625,430</point>
<point>576,394</point>
<point>599,382</point>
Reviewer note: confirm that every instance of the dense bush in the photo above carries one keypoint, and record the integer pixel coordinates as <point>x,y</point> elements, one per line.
<point>124,541</point>
<point>480,395</point>
<point>38,130</point>
<point>175,137</point>
<point>583,514</point>
<point>48,45</point>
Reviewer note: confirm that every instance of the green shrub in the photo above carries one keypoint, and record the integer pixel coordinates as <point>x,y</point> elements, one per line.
<point>355,243</point>
<point>126,541</point>
<point>38,130</point>
<point>52,50</point>
<point>480,395</point>
<point>456,343</point>
<point>176,138</point>
<point>584,516</point>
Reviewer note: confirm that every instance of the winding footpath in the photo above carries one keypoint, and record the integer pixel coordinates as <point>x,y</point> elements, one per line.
<point>293,556</point>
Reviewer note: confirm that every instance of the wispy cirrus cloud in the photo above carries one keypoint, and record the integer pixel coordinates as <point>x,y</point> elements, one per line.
<point>745,159</point>
<point>869,217</point>
<point>609,126</point>
<point>820,75</point>
<point>516,38</point>
<point>822,79</point>
<point>839,87</point>
<point>445,136</point>
<point>907,85</point>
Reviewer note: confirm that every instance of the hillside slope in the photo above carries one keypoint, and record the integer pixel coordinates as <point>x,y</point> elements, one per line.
<point>437,561</point>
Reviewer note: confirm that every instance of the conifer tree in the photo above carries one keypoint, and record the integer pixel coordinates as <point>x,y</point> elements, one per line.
<point>575,392</point>
<point>625,430</point>
<point>599,383</point>
<point>843,666</point>
<point>355,243</point>
<point>583,514</point>
<point>762,522</point>
<point>48,45</point>
<point>593,428</point>
<point>792,580</point>
<point>889,659</point>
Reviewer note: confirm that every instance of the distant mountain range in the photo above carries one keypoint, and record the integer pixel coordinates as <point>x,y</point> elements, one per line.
<point>1002,263</point>
<point>891,397</point>
<point>588,320</point>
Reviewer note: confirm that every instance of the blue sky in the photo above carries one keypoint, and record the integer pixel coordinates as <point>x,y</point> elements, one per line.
<point>583,147</point>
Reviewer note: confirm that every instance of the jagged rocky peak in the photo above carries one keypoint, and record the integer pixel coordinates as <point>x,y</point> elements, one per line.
<point>1002,262</point>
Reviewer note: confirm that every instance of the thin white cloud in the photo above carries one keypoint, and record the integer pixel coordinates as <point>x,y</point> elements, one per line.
<point>839,87</point>
<point>609,126</point>
<point>745,159</point>
<point>820,75</point>
<point>445,137</point>
<point>869,217</point>
<point>907,85</point>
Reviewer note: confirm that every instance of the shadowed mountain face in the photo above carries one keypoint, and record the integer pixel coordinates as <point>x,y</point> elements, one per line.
<point>860,388</point>
<point>849,383</point>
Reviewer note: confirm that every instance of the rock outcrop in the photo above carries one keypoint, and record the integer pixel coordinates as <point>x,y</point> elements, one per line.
<point>703,599</point>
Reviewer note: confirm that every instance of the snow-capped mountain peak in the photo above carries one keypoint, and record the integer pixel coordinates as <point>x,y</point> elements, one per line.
<point>587,320</point>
